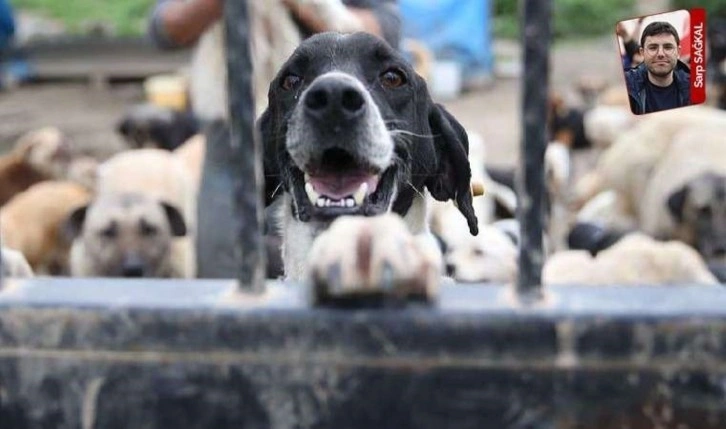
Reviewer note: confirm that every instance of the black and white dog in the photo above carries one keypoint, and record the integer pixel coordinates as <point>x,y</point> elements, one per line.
<point>351,129</point>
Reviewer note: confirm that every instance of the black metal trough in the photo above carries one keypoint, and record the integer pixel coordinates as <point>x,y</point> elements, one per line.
<point>105,353</point>
<point>201,354</point>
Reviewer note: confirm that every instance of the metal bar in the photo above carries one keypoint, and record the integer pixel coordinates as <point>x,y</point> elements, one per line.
<point>246,149</point>
<point>536,42</point>
<point>2,271</point>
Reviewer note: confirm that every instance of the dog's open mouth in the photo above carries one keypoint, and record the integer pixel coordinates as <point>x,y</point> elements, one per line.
<point>340,190</point>
<point>341,185</point>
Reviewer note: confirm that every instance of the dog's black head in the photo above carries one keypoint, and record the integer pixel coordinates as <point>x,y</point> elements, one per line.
<point>351,129</point>
<point>699,209</point>
<point>147,125</point>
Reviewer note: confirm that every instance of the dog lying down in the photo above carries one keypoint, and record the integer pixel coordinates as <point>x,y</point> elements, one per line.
<point>350,129</point>
<point>634,259</point>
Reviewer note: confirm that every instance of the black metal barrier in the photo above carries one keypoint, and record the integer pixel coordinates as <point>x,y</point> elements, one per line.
<point>105,353</point>
<point>530,210</point>
<point>198,354</point>
<point>248,175</point>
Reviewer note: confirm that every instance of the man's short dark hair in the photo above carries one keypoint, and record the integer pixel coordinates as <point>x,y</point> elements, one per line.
<point>658,27</point>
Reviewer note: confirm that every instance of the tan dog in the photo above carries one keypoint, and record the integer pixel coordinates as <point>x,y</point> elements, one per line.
<point>629,163</point>
<point>692,153</point>
<point>672,192</point>
<point>14,264</point>
<point>191,154</point>
<point>38,155</point>
<point>125,235</point>
<point>153,172</point>
<point>161,176</point>
<point>635,259</point>
<point>699,211</point>
<point>32,223</point>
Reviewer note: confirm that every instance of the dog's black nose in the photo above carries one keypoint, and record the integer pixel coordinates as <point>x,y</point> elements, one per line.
<point>332,99</point>
<point>450,269</point>
<point>132,267</point>
<point>133,271</point>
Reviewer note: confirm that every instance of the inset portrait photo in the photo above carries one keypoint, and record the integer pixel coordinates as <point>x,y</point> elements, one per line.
<point>663,60</point>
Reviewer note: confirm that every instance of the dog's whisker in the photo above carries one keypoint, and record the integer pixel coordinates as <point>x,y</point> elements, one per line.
<point>409,183</point>
<point>279,185</point>
<point>394,121</point>
<point>409,133</point>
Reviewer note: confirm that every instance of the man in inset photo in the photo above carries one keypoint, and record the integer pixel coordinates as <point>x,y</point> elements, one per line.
<point>661,81</point>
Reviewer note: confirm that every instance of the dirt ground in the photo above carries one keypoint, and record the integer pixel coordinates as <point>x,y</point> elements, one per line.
<point>88,116</point>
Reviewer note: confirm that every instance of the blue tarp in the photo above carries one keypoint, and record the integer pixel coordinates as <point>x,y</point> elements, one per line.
<point>453,29</point>
<point>7,24</point>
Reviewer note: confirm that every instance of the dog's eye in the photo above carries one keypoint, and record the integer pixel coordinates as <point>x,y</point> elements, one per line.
<point>290,82</point>
<point>705,211</point>
<point>109,232</point>
<point>147,230</point>
<point>393,78</point>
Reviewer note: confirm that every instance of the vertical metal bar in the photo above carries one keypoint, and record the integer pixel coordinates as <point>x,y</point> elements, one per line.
<point>1,262</point>
<point>535,30</point>
<point>246,149</point>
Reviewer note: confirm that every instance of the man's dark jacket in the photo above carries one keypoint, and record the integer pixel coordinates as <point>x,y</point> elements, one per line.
<point>635,80</point>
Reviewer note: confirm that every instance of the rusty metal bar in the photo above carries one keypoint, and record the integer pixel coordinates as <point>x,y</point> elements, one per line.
<point>535,42</point>
<point>246,149</point>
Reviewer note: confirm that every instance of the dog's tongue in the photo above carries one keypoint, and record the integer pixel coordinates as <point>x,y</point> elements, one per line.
<point>339,186</point>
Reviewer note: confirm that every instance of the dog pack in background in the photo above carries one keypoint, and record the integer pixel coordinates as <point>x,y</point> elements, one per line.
<point>351,129</point>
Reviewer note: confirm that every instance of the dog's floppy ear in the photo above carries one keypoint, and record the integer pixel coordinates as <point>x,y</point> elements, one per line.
<point>269,149</point>
<point>677,202</point>
<point>452,180</point>
<point>74,223</point>
<point>176,220</point>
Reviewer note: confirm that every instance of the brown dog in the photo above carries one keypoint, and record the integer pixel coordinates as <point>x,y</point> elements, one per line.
<point>38,155</point>
<point>32,221</point>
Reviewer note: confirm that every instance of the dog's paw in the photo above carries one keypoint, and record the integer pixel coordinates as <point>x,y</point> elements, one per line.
<point>360,258</point>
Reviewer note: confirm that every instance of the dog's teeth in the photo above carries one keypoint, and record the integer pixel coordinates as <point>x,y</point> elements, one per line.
<point>360,194</point>
<point>327,202</point>
<point>312,195</point>
<point>307,178</point>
